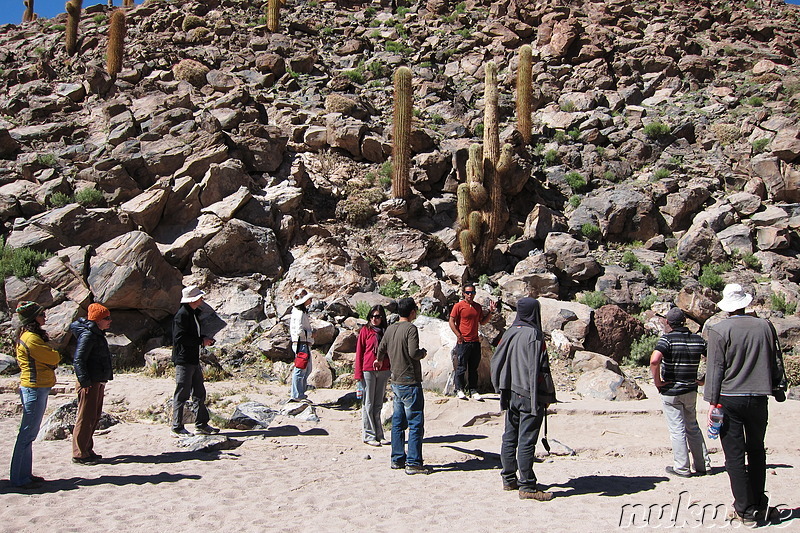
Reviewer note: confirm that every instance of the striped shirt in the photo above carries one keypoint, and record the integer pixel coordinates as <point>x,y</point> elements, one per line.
<point>682,351</point>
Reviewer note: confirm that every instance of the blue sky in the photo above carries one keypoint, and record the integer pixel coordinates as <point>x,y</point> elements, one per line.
<point>11,11</point>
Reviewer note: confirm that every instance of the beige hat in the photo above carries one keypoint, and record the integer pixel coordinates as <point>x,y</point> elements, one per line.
<point>191,294</point>
<point>734,298</point>
<point>301,296</point>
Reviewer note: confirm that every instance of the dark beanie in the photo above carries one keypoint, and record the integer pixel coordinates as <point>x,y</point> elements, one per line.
<point>675,317</point>
<point>28,311</point>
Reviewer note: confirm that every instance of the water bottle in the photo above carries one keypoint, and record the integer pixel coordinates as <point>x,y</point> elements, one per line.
<point>359,391</point>
<point>716,422</point>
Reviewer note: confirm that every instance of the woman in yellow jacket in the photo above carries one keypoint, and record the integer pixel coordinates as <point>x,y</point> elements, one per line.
<point>37,363</point>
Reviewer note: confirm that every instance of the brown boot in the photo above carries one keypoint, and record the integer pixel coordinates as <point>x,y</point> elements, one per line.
<point>538,495</point>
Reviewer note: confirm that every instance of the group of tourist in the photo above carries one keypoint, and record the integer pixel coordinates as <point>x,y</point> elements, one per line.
<point>744,367</point>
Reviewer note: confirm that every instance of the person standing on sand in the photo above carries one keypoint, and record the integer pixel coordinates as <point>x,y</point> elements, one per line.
<point>465,318</point>
<point>517,363</point>
<point>186,343</point>
<point>92,363</point>
<point>674,364</point>
<point>37,364</point>
<point>372,374</point>
<point>745,366</point>
<point>401,345</point>
<point>302,335</point>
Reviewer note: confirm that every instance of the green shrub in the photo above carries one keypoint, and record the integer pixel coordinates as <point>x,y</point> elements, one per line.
<point>590,231</point>
<point>461,8</point>
<point>369,12</point>
<point>479,130</point>
<point>711,279</point>
<point>434,314</point>
<point>362,309</point>
<point>595,299</point>
<point>377,68</point>
<point>385,173</point>
<point>754,101</point>
<point>402,10</point>
<point>610,176</point>
<point>99,18</point>
<point>647,302</point>
<point>191,22</point>
<point>656,129</point>
<point>568,106</point>
<point>356,75</point>
<point>750,4</point>
<point>629,259</point>
<point>759,145</point>
<point>669,276</point>
<point>392,289</point>
<point>483,279</point>
<point>47,160</point>
<point>560,137</point>
<point>20,262</point>
<point>575,180</point>
<point>59,199</point>
<point>574,200</point>
<point>574,133</point>
<point>551,157</point>
<point>779,303</point>
<point>601,151</point>
<point>397,48</point>
<point>641,350</point>
<point>660,174</point>
<point>791,364</point>
<point>58,27</point>
<point>89,197</point>
<point>751,261</point>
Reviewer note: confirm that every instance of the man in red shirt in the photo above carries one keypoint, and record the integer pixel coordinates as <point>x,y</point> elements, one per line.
<point>465,318</point>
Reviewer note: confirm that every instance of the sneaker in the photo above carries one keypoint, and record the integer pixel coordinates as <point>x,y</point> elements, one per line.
<point>398,466</point>
<point>701,472</point>
<point>460,395</point>
<point>180,432</point>
<point>417,469</point>
<point>475,396</point>
<point>513,485</point>
<point>372,442</point>
<point>746,520</point>
<point>205,429</point>
<point>89,461</point>
<point>538,495</point>
<point>385,442</point>
<point>671,471</point>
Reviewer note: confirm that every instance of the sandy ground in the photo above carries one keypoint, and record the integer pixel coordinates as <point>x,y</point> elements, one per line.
<point>302,477</point>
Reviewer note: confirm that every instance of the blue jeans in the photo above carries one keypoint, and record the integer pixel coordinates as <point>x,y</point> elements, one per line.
<point>34,402</point>
<point>409,406</point>
<point>300,380</point>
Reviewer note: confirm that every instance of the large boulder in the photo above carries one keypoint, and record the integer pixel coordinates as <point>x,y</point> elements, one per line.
<point>572,318</point>
<point>621,214</point>
<point>608,385</point>
<point>128,272</point>
<point>570,257</point>
<point>613,332</point>
<point>59,425</point>
<point>251,415</point>
<point>241,248</point>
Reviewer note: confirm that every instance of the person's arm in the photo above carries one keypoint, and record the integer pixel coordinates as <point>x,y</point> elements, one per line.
<point>359,362</point>
<point>492,307</point>
<point>655,368</point>
<point>43,353</point>
<point>185,332</point>
<point>454,321</point>
<point>380,355</point>
<point>414,351</point>
<point>715,368</point>
<point>82,352</point>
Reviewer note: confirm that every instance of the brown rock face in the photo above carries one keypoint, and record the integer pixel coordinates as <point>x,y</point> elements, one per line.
<point>612,332</point>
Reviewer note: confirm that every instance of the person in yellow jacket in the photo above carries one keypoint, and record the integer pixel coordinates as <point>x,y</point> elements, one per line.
<point>37,363</point>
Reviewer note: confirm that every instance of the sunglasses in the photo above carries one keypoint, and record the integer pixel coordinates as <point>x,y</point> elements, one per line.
<point>376,316</point>
<point>469,292</point>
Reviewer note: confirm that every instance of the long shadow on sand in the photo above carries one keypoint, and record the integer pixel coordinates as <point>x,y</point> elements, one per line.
<point>483,461</point>
<point>443,439</point>
<point>166,457</point>
<point>58,485</point>
<point>608,485</point>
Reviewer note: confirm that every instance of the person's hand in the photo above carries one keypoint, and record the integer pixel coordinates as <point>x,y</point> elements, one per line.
<point>460,339</point>
<point>424,353</point>
<point>376,365</point>
<point>492,306</point>
<point>708,418</point>
<point>207,341</point>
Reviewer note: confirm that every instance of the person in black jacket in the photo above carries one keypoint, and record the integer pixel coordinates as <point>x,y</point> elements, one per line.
<point>92,363</point>
<point>186,343</point>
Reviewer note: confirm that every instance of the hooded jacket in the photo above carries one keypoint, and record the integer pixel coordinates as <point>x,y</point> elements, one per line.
<point>521,352</point>
<point>92,360</point>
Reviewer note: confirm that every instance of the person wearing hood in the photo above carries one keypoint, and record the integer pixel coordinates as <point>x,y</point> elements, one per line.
<point>186,343</point>
<point>673,364</point>
<point>37,364</point>
<point>517,362</point>
<point>92,363</point>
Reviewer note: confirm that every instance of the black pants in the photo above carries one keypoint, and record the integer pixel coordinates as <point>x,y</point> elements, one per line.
<point>519,442</point>
<point>742,434</point>
<point>189,381</point>
<point>469,357</point>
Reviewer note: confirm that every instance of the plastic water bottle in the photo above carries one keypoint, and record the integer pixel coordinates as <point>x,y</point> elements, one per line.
<point>716,422</point>
<point>359,391</point>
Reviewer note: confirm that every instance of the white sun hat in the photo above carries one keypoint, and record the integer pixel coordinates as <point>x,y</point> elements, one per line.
<point>301,296</point>
<point>734,298</point>
<point>191,294</point>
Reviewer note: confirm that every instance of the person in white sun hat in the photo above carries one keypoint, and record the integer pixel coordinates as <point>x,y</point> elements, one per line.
<point>745,366</point>
<point>302,336</point>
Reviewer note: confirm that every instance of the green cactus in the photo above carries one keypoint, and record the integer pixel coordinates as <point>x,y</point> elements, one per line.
<point>273,8</point>
<point>524,91</point>
<point>463,205</point>
<point>28,15</point>
<point>73,8</point>
<point>477,191</point>
<point>127,3</point>
<point>401,151</point>
<point>116,42</point>
<point>465,243</point>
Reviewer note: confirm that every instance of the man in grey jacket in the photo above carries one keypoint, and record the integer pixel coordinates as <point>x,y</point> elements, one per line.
<point>516,365</point>
<point>745,366</point>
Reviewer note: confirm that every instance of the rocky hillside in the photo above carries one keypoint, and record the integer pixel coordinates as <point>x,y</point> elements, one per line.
<point>662,162</point>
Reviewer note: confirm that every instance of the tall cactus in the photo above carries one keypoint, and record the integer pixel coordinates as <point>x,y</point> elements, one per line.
<point>73,8</point>
<point>524,91</point>
<point>127,3</point>
<point>116,42</point>
<point>28,15</point>
<point>401,150</point>
<point>273,8</point>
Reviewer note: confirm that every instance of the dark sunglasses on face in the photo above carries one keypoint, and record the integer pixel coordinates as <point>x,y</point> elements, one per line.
<point>376,316</point>
<point>469,292</point>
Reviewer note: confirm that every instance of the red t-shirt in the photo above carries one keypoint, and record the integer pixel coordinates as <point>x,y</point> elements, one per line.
<point>468,318</point>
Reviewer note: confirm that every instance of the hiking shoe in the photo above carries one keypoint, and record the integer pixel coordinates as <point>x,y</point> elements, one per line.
<point>398,466</point>
<point>538,495</point>
<point>475,396</point>
<point>460,395</point>
<point>205,429</point>
<point>372,442</point>
<point>512,485</point>
<point>417,469</point>
<point>385,442</point>
<point>180,432</point>
<point>40,479</point>
<point>671,471</point>
<point>701,472</point>
<point>89,461</point>
<point>746,520</point>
